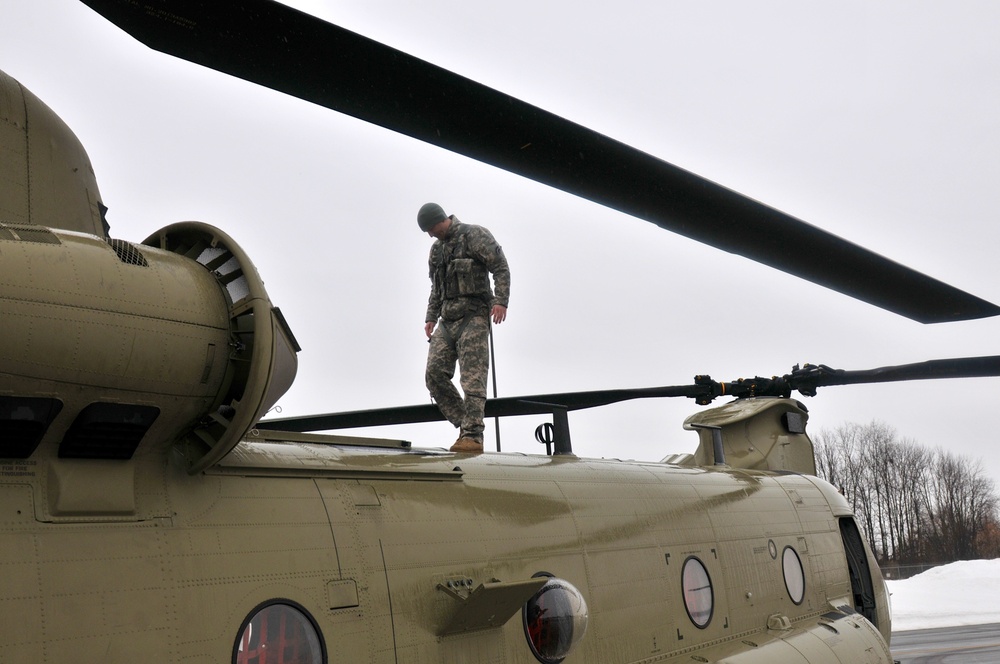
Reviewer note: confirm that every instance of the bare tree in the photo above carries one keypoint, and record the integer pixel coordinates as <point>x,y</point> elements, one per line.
<point>964,507</point>
<point>914,505</point>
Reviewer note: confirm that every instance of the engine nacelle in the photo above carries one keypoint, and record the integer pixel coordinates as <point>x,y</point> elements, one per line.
<point>110,348</point>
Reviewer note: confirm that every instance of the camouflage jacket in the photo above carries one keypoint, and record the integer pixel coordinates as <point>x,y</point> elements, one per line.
<point>460,266</point>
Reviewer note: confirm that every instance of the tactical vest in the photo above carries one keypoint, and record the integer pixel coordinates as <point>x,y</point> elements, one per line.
<point>458,274</point>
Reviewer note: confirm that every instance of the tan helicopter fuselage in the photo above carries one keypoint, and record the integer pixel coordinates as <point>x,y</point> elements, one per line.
<point>371,544</point>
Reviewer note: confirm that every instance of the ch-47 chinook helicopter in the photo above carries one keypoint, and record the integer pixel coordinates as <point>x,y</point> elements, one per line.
<point>148,513</point>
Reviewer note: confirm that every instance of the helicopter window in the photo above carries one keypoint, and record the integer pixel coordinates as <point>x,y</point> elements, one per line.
<point>555,620</point>
<point>795,580</point>
<point>279,631</point>
<point>699,598</point>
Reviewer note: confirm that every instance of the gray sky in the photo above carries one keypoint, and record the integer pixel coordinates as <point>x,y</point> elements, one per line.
<point>875,121</point>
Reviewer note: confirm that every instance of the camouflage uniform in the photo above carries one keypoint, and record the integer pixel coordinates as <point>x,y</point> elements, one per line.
<point>461,297</point>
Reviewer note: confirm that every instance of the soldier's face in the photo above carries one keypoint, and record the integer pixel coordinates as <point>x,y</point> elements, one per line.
<point>439,229</point>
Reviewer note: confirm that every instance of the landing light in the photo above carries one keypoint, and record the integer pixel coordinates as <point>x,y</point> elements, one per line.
<point>555,620</point>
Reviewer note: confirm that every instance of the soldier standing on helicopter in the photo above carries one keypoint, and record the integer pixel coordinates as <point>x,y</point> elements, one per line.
<point>459,311</point>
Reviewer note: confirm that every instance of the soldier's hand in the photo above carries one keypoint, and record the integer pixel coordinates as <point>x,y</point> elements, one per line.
<point>499,313</point>
<point>429,328</point>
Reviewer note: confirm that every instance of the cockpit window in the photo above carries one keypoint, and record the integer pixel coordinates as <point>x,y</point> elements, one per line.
<point>279,631</point>
<point>555,620</point>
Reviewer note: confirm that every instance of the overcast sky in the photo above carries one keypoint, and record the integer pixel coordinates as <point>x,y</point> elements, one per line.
<point>874,120</point>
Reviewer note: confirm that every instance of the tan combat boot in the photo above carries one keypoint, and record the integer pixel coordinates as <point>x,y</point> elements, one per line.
<point>466,444</point>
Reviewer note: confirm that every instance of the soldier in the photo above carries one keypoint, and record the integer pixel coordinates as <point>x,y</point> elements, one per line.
<point>457,323</point>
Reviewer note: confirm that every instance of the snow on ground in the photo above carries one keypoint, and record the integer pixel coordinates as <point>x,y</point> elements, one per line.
<point>962,593</point>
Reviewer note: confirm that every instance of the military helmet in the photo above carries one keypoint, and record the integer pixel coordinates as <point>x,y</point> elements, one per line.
<point>430,215</point>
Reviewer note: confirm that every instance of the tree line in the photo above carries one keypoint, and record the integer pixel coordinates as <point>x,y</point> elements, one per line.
<point>915,505</point>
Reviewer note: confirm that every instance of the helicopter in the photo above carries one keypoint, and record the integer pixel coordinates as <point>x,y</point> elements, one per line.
<point>150,510</point>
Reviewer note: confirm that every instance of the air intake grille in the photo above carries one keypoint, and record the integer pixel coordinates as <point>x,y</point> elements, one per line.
<point>128,253</point>
<point>23,422</point>
<point>107,431</point>
<point>27,233</point>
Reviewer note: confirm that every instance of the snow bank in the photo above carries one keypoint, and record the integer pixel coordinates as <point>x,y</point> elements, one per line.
<point>963,593</point>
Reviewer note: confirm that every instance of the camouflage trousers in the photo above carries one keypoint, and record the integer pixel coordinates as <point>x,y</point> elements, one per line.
<point>465,341</point>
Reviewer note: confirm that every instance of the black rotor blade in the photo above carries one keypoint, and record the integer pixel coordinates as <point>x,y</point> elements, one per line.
<point>810,377</point>
<point>505,407</point>
<point>355,419</point>
<point>289,51</point>
<point>806,380</point>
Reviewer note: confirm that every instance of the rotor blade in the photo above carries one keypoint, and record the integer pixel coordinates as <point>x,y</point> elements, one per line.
<point>810,377</point>
<point>355,419</point>
<point>281,48</point>
<point>505,407</point>
<point>806,380</point>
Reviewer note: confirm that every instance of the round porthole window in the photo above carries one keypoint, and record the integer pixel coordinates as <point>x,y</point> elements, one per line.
<point>279,631</point>
<point>795,579</point>
<point>555,620</point>
<point>699,599</point>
